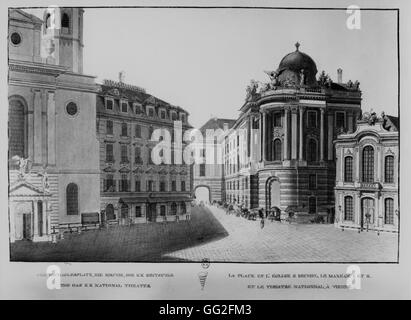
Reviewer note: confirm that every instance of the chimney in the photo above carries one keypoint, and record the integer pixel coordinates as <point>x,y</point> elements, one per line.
<point>339,77</point>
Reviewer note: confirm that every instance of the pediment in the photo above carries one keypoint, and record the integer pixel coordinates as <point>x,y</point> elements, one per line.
<point>23,188</point>
<point>124,170</point>
<point>109,169</point>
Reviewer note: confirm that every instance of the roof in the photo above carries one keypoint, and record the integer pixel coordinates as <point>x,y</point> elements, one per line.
<point>394,121</point>
<point>25,16</point>
<point>217,123</point>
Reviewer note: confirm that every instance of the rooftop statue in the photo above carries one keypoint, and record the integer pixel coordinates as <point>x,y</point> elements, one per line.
<point>251,90</point>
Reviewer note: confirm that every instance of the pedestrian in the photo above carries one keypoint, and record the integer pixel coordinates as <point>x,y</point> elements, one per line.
<point>261,214</point>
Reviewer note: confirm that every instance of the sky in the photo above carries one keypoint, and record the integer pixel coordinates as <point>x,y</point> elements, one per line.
<point>203,59</point>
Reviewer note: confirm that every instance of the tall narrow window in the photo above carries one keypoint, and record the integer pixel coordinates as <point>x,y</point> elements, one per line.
<point>312,150</point>
<point>173,185</point>
<point>138,131</point>
<point>110,186</point>
<point>109,104</point>
<point>348,209</point>
<point>389,211</point>
<point>162,186</point>
<point>368,164</point>
<point>277,119</point>
<point>124,183</point>
<point>124,129</point>
<point>124,106</point>
<point>162,211</point>
<point>17,129</point>
<point>138,211</point>
<point>183,208</point>
<point>183,186</point>
<point>124,154</point>
<point>109,153</point>
<point>312,181</point>
<point>312,205</point>
<point>65,21</point>
<point>173,208</point>
<point>151,112</point>
<point>389,169</point>
<point>312,119</point>
<point>340,120</point>
<point>277,150</point>
<point>137,185</point>
<point>202,169</point>
<point>348,172</point>
<point>72,199</point>
<point>109,127</point>
<point>137,156</point>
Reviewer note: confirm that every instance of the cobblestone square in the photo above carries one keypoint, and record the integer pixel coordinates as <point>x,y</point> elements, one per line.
<point>213,234</point>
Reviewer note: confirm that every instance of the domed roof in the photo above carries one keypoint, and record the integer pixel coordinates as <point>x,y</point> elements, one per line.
<point>295,63</point>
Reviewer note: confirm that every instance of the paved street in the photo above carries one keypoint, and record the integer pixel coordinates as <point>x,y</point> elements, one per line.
<point>283,242</point>
<point>219,237</point>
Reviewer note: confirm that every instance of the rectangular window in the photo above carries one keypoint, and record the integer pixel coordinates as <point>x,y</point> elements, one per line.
<point>124,183</point>
<point>138,185</point>
<point>110,185</point>
<point>163,114</point>
<point>138,131</point>
<point>162,211</point>
<point>312,119</point>
<point>340,120</point>
<point>173,185</point>
<point>348,209</point>
<point>124,106</point>
<point>124,154</point>
<point>389,211</point>
<point>173,116</point>
<point>109,104</point>
<point>202,170</point>
<point>183,186</point>
<point>312,181</point>
<point>162,186</point>
<point>348,169</point>
<point>137,156</point>
<point>124,129</point>
<point>151,112</point>
<point>150,185</point>
<point>138,212</point>
<point>277,119</point>
<point>109,127</point>
<point>109,153</point>
<point>389,169</point>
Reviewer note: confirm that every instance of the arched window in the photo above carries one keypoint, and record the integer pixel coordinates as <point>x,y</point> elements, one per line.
<point>17,129</point>
<point>72,199</point>
<point>348,174</point>
<point>368,164</point>
<point>348,208</point>
<point>65,21</point>
<point>173,208</point>
<point>48,20</point>
<point>389,169</point>
<point>389,211</point>
<point>277,150</point>
<point>110,212</point>
<point>312,150</point>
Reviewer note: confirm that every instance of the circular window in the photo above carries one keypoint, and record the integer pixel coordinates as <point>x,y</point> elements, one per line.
<point>71,108</point>
<point>15,38</point>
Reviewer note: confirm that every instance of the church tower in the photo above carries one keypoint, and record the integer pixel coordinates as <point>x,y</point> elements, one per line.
<point>62,37</point>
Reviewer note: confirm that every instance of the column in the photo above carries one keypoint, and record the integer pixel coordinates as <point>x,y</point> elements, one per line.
<point>51,128</point>
<point>322,135</point>
<point>357,206</point>
<point>35,219</point>
<point>264,143</point>
<point>37,127</point>
<point>249,138</point>
<point>286,138</point>
<point>330,137</point>
<point>294,133</point>
<point>357,164</point>
<point>252,140</point>
<point>45,217</point>
<point>301,142</point>
<point>261,136</point>
<point>350,122</point>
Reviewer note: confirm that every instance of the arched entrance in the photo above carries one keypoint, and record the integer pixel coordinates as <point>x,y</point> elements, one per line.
<point>110,212</point>
<point>273,188</point>
<point>124,213</point>
<point>202,193</point>
<point>367,212</point>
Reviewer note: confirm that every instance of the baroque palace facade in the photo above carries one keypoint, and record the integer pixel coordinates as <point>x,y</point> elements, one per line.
<point>133,188</point>
<point>280,152</point>
<point>53,148</point>
<point>366,189</point>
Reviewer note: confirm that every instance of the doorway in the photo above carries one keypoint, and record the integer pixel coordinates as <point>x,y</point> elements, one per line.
<point>367,213</point>
<point>202,193</point>
<point>27,232</point>
<point>152,212</point>
<point>273,193</point>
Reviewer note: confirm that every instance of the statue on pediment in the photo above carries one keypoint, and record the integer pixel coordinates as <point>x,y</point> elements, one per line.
<point>251,90</point>
<point>23,164</point>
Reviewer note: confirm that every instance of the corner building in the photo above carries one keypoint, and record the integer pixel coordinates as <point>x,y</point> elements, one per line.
<point>52,125</point>
<point>284,156</point>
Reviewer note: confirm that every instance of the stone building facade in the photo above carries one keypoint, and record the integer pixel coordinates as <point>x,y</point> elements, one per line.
<point>366,189</point>
<point>208,178</point>
<point>53,148</point>
<point>280,151</point>
<point>134,189</point>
